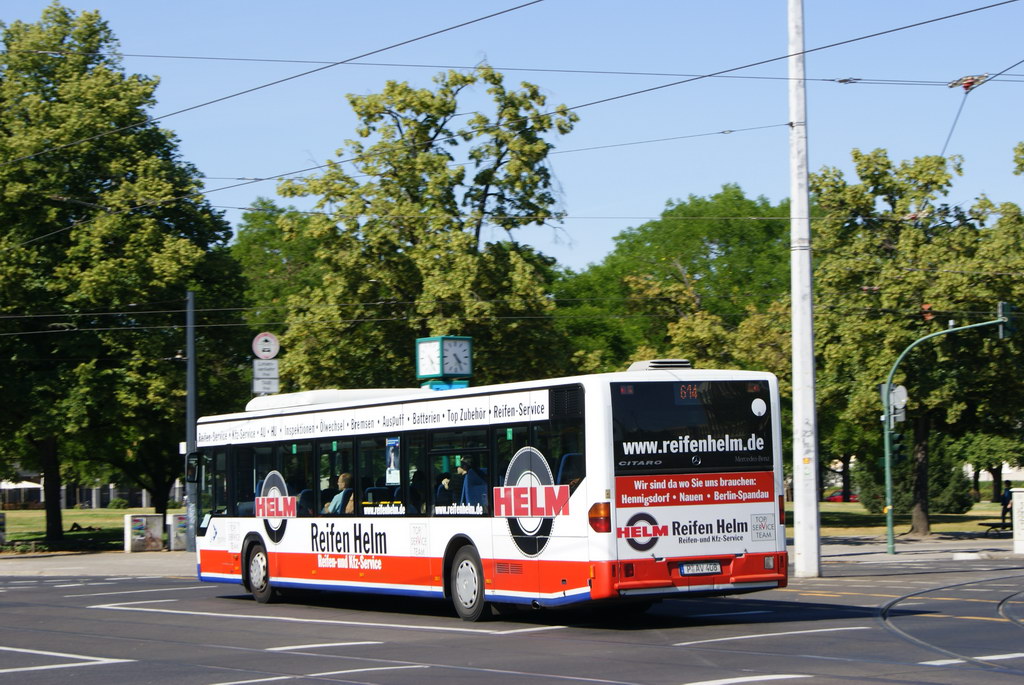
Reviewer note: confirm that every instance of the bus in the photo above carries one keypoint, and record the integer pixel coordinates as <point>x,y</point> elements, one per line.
<point>660,481</point>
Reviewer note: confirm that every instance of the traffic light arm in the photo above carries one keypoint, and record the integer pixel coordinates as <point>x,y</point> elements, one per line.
<point>887,420</point>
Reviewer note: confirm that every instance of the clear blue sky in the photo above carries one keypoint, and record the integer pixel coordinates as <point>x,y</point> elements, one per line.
<point>902,104</point>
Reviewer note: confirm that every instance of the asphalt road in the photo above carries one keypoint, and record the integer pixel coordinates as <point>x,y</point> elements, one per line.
<point>932,619</point>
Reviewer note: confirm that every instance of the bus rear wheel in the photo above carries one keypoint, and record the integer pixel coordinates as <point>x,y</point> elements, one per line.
<point>467,583</point>
<point>259,574</point>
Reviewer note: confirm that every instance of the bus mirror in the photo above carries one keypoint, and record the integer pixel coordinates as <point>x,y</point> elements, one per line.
<point>192,467</point>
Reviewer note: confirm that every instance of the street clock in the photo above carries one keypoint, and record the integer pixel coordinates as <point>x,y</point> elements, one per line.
<point>444,356</point>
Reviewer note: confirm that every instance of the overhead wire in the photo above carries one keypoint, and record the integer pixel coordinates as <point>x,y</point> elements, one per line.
<point>849,80</point>
<point>963,101</point>
<point>576,107</point>
<point>588,104</point>
<point>276,82</point>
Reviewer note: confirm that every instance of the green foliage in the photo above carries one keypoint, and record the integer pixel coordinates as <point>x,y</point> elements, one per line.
<point>894,264</point>
<point>102,232</point>
<point>398,242</point>
<point>274,268</point>
<point>676,285</point>
<point>118,503</point>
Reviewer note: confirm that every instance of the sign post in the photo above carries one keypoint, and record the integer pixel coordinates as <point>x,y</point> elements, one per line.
<point>265,379</point>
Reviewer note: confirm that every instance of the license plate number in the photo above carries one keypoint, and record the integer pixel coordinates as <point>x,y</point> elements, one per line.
<point>700,568</point>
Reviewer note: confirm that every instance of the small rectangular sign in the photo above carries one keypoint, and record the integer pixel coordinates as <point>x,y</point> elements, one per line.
<point>264,368</point>
<point>265,386</point>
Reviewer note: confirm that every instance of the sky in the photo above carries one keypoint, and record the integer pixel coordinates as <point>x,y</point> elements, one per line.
<point>628,156</point>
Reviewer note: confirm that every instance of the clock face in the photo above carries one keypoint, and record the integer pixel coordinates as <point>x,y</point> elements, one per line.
<point>428,357</point>
<point>456,361</point>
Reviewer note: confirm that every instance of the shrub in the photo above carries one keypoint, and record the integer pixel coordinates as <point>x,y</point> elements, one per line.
<point>173,504</point>
<point>118,503</point>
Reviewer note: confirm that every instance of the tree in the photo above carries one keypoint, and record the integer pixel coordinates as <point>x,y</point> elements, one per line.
<point>102,234</point>
<point>724,256</point>
<point>398,241</point>
<point>274,268</point>
<point>894,264</point>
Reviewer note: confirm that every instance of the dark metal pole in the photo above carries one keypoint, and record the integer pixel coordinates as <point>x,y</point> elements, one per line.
<point>887,422</point>
<point>191,489</point>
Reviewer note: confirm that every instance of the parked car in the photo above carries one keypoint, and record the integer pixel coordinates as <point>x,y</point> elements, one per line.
<point>837,496</point>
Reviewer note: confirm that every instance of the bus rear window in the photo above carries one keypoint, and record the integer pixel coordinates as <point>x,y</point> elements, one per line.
<point>691,427</point>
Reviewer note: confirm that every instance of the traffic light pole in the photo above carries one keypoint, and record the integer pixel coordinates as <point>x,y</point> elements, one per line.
<point>887,420</point>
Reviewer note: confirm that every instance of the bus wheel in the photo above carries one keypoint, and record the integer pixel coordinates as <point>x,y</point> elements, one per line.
<point>259,574</point>
<point>468,584</point>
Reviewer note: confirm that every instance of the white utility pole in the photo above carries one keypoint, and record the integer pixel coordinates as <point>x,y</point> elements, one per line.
<point>806,526</point>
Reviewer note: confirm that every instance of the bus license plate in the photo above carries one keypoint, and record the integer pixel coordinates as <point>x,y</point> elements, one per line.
<point>699,568</point>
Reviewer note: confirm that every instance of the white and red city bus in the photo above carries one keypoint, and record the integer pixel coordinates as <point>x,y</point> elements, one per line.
<point>661,481</point>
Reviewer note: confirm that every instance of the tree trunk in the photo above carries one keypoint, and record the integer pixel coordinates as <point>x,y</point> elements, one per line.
<point>160,494</point>
<point>919,524</point>
<point>49,461</point>
<point>847,489</point>
<point>997,482</point>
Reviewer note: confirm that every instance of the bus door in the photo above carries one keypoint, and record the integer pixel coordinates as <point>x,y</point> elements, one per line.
<point>515,530</point>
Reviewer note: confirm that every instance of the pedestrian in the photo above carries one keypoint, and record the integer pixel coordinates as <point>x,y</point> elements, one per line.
<point>1006,500</point>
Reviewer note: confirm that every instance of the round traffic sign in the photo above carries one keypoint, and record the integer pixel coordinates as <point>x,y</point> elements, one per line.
<point>266,346</point>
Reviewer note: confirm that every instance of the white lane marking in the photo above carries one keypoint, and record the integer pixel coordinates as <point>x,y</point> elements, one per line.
<point>728,613</point>
<point>1001,657</point>
<point>85,660</point>
<point>70,585</point>
<point>941,662</point>
<point>526,630</point>
<point>132,606</point>
<point>988,657</point>
<point>748,679</point>
<point>319,675</point>
<point>759,635</point>
<point>321,644</point>
<point>133,592</point>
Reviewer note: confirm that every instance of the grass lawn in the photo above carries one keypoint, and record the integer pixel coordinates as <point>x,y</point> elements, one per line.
<point>26,528</point>
<point>851,518</point>
<point>100,529</point>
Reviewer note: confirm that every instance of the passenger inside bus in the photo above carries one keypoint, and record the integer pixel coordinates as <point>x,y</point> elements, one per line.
<point>342,502</point>
<point>474,483</point>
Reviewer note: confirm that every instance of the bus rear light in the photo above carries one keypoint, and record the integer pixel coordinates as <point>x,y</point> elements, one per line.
<point>627,570</point>
<point>600,517</point>
<point>782,509</point>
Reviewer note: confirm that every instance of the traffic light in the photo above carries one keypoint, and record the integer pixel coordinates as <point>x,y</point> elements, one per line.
<point>897,449</point>
<point>1006,311</point>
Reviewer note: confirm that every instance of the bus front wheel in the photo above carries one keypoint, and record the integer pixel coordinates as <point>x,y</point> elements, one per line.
<point>259,574</point>
<point>467,583</point>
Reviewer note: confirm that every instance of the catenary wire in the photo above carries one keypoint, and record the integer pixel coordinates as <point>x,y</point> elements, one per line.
<point>848,80</point>
<point>150,120</point>
<point>963,101</point>
<point>588,104</point>
<point>581,106</point>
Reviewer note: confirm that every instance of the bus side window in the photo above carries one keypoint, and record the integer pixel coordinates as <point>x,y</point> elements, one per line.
<point>561,443</point>
<point>298,471</point>
<point>507,441</point>
<point>417,470</point>
<point>337,457</point>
